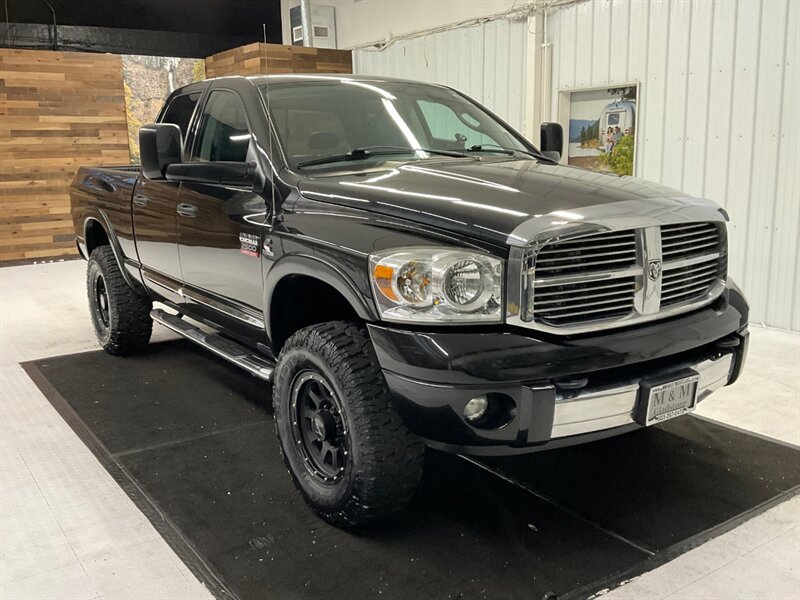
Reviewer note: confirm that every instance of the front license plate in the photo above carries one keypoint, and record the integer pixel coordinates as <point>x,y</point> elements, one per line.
<point>667,400</point>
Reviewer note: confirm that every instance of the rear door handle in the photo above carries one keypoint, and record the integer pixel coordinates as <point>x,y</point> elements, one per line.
<point>187,210</point>
<point>140,200</point>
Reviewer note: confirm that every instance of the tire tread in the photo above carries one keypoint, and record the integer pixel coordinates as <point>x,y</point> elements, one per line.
<point>391,457</point>
<point>131,325</point>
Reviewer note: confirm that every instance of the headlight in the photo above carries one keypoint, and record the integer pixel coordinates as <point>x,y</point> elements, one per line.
<point>431,285</point>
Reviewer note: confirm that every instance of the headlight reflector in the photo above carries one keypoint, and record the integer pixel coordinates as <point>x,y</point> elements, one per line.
<point>467,283</point>
<point>414,283</point>
<point>437,284</point>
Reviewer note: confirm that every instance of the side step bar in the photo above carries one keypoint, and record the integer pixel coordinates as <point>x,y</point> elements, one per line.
<point>239,355</point>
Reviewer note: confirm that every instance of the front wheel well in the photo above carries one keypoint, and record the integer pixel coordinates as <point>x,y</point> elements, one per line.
<point>299,301</point>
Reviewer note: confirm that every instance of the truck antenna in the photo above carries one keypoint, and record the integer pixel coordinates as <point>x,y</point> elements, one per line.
<point>269,124</point>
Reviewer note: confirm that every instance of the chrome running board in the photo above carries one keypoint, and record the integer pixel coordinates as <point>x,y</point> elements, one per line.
<point>255,364</point>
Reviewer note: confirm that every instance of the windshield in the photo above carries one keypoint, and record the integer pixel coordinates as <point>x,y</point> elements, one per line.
<point>319,119</point>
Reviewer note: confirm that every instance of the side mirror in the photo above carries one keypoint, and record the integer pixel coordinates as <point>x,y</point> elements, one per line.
<point>552,140</point>
<point>226,172</point>
<point>159,146</point>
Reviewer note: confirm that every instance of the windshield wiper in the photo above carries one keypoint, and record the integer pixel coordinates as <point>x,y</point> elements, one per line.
<point>510,151</point>
<point>362,153</point>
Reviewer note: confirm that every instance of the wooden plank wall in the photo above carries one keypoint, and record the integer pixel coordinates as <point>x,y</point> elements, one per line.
<point>259,58</point>
<point>244,60</point>
<point>58,111</point>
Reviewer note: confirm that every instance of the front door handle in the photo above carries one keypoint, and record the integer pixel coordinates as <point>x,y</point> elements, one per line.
<point>187,210</point>
<point>140,200</point>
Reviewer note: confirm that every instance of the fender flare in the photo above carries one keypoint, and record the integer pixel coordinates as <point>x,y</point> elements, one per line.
<point>101,218</point>
<point>316,268</point>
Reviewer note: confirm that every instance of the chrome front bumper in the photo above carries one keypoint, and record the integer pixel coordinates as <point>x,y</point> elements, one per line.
<point>596,409</point>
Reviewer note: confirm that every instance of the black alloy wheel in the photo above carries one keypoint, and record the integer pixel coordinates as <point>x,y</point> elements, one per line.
<point>346,446</point>
<point>319,427</point>
<point>101,300</point>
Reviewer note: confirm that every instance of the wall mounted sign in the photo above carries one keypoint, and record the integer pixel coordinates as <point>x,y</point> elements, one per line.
<point>601,128</point>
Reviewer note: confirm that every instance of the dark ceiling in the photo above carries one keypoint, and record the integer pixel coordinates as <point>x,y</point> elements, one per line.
<point>216,17</point>
<point>200,26</point>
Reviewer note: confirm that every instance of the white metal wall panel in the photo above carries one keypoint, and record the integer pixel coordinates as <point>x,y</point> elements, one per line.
<point>486,62</point>
<point>698,82</point>
<point>718,116</point>
<point>653,93</point>
<point>784,290</point>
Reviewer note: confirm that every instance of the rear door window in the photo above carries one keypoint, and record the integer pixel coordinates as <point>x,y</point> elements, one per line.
<point>180,111</point>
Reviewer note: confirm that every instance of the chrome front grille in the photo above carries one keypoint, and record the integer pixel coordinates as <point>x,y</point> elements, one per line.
<point>564,304</point>
<point>588,254</point>
<point>688,239</point>
<point>684,279</point>
<point>615,278</point>
<point>562,292</point>
<point>691,282</point>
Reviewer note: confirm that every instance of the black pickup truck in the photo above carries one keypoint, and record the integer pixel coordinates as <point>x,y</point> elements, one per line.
<point>409,272</point>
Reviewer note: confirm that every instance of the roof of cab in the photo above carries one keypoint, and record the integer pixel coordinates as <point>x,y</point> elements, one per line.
<point>257,80</point>
<point>299,77</point>
<point>317,77</point>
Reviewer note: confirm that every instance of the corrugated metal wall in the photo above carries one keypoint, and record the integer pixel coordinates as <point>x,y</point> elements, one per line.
<point>486,62</point>
<point>719,108</point>
<point>719,116</point>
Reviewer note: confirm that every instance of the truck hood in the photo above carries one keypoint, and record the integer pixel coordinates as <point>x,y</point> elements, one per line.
<point>485,199</point>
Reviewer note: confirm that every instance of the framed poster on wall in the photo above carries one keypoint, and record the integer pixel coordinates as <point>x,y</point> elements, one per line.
<point>601,126</point>
<point>147,81</point>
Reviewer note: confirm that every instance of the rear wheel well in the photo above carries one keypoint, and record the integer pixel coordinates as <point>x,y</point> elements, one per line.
<point>96,236</point>
<point>299,301</point>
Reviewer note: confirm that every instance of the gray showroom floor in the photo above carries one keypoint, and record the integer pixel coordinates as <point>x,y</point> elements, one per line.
<point>68,531</point>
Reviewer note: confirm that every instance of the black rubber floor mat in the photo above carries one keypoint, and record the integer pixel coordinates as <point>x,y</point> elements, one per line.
<point>191,440</point>
<point>664,484</point>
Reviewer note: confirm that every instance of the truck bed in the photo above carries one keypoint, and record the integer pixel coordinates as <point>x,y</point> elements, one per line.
<point>104,194</point>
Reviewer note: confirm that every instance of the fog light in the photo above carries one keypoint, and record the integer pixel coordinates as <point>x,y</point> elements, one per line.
<point>476,408</point>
